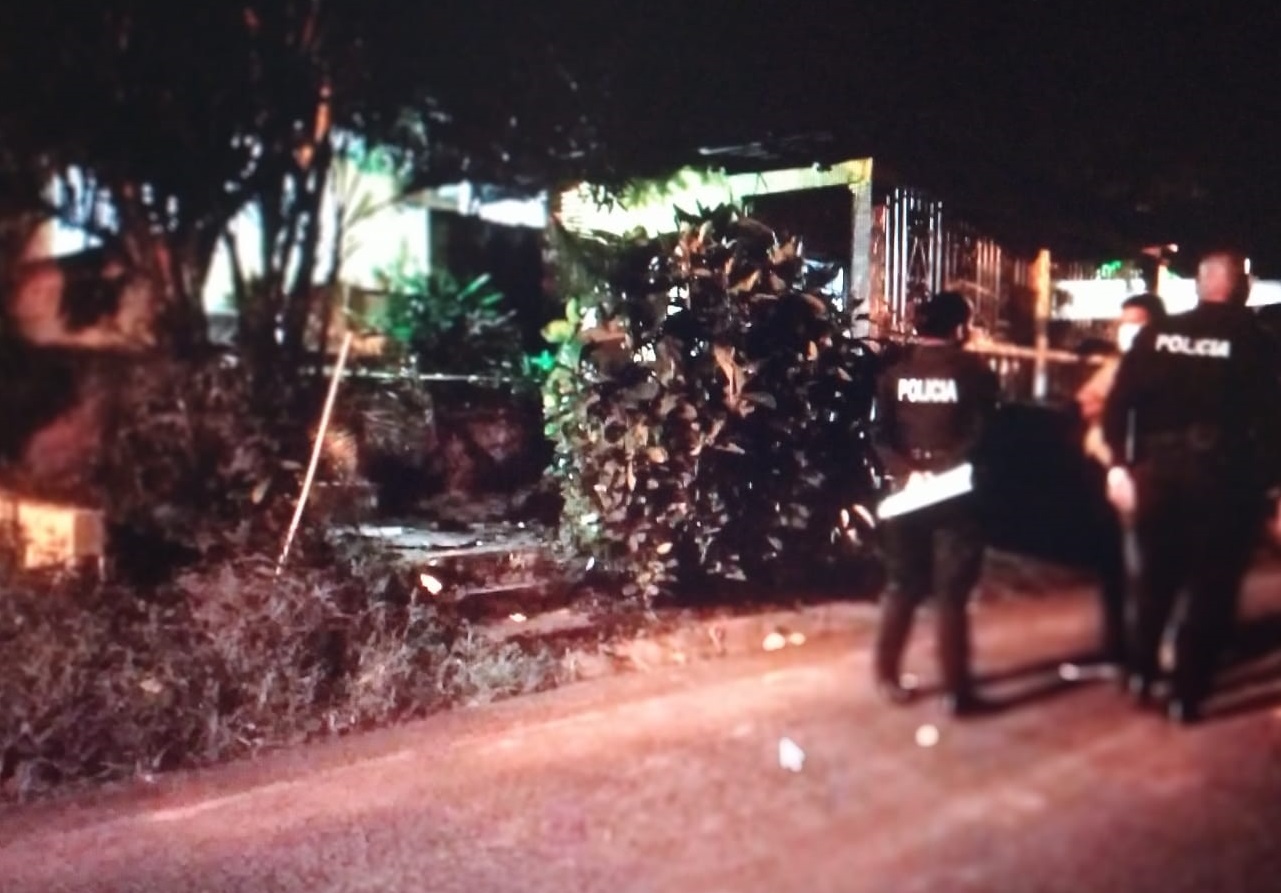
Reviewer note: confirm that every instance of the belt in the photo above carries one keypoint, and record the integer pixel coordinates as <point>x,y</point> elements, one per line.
<point>1195,439</point>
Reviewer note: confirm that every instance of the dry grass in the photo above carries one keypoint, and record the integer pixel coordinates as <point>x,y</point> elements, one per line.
<point>101,683</point>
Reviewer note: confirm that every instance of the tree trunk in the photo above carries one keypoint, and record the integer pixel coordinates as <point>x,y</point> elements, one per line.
<point>299,299</point>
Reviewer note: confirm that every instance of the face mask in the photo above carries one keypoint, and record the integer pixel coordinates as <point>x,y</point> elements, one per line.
<point>1125,335</point>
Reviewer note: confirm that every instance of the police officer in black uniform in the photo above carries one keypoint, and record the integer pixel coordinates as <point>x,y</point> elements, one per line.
<point>1193,423</point>
<point>931,409</point>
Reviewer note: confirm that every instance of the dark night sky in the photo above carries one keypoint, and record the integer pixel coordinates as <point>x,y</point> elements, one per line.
<point>1088,124</point>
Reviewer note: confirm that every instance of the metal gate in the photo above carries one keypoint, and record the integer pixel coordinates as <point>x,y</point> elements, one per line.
<point>917,249</point>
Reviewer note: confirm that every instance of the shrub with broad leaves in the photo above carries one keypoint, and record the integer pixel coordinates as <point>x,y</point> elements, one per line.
<point>709,407</point>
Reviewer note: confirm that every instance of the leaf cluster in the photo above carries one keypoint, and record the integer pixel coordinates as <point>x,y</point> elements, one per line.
<point>709,406</point>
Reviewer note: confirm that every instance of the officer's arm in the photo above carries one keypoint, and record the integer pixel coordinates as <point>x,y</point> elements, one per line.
<point>1119,408</point>
<point>1094,393</point>
<point>885,430</point>
<point>1263,380</point>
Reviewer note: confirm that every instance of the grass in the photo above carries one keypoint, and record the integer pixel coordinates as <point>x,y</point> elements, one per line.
<point>101,683</point>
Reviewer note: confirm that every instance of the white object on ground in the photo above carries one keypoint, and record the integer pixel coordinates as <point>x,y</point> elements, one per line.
<point>790,755</point>
<point>796,639</point>
<point>927,736</point>
<point>923,491</point>
<point>774,642</point>
<point>517,618</point>
<point>431,584</point>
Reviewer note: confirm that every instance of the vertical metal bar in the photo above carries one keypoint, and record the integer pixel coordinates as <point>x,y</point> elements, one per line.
<point>939,261</point>
<point>851,283</point>
<point>900,270</point>
<point>889,239</point>
<point>1042,286</point>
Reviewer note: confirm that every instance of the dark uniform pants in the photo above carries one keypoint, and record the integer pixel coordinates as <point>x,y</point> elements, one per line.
<point>1196,533</point>
<point>937,551</point>
<point>1109,550</point>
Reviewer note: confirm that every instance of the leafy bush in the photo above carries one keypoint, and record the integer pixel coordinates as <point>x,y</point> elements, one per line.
<point>448,326</point>
<point>100,684</point>
<point>199,460</point>
<point>709,407</point>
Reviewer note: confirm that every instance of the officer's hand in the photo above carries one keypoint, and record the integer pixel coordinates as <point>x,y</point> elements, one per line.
<point>916,478</point>
<point>1121,491</point>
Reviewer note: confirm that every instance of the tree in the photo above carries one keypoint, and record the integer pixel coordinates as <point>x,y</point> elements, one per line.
<point>162,121</point>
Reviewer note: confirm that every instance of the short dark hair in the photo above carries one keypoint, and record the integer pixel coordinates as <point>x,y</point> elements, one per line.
<point>942,314</point>
<point>1149,303</point>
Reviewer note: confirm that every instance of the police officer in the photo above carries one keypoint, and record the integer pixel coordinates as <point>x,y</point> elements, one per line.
<point>1192,425</point>
<point>931,408</point>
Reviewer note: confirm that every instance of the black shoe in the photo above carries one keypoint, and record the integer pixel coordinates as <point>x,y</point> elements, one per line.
<point>894,692</point>
<point>964,706</point>
<point>1183,712</point>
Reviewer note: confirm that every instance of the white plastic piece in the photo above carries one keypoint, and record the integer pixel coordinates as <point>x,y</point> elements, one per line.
<point>923,491</point>
<point>790,756</point>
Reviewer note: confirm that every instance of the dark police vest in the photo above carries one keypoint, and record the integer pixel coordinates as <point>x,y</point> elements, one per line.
<point>931,407</point>
<point>1191,386</point>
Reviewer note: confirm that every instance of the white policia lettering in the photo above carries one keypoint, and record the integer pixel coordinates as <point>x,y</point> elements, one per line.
<point>1216,348</point>
<point>928,390</point>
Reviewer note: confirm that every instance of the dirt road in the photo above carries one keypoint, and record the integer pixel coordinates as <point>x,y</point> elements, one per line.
<point>672,781</point>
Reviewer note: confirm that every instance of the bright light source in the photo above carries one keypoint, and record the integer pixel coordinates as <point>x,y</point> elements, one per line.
<point>431,584</point>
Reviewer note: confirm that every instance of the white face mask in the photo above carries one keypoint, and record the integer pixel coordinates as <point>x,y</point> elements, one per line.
<point>1126,332</point>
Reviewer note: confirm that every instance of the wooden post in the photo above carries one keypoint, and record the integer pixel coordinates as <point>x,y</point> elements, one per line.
<point>1041,286</point>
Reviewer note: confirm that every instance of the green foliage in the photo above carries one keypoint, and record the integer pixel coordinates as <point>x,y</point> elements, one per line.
<point>709,407</point>
<point>449,326</point>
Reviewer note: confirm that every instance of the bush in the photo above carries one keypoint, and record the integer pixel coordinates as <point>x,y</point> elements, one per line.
<point>709,407</point>
<point>197,462</point>
<point>102,683</point>
<point>447,326</point>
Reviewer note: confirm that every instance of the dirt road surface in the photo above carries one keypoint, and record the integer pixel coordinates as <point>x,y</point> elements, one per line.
<point>671,781</point>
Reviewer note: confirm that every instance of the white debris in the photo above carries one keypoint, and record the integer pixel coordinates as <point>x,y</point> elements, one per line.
<point>927,736</point>
<point>796,639</point>
<point>790,755</point>
<point>517,618</point>
<point>432,584</point>
<point>774,642</point>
